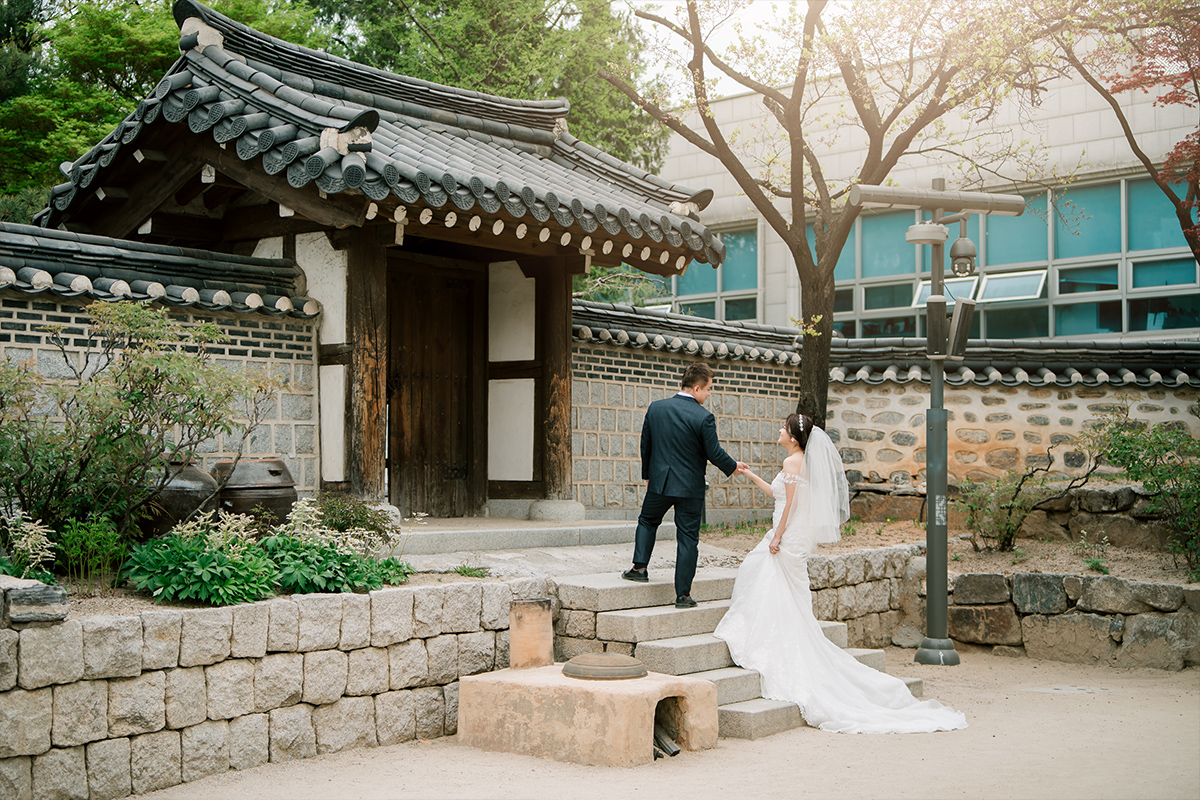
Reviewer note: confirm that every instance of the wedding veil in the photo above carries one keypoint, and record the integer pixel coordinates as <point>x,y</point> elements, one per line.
<point>824,504</point>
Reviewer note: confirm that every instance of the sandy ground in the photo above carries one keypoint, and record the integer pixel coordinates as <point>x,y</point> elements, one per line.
<point>1037,729</point>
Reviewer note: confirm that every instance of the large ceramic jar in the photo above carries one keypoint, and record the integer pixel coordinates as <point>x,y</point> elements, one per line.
<point>257,483</point>
<point>189,489</point>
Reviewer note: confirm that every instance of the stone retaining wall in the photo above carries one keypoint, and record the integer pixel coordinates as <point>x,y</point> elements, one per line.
<point>877,593</point>
<point>105,706</point>
<point>1079,618</point>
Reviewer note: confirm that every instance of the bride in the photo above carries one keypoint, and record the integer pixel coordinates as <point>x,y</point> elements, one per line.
<point>770,626</point>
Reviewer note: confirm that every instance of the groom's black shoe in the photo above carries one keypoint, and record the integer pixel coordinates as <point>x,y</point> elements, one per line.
<point>639,575</point>
<point>685,601</point>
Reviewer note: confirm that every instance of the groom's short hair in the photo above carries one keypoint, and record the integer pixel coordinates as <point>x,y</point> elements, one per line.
<point>698,374</point>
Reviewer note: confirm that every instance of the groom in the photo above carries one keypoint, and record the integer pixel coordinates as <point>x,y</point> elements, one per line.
<point>679,438</point>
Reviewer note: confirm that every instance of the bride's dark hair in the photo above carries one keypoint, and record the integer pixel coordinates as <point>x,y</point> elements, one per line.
<point>799,427</point>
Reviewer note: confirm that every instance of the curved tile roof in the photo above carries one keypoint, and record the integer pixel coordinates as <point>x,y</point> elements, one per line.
<point>1036,362</point>
<point>37,260</point>
<point>347,127</point>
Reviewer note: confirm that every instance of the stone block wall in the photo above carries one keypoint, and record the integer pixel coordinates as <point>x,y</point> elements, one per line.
<point>1079,618</point>
<point>285,347</point>
<point>107,706</point>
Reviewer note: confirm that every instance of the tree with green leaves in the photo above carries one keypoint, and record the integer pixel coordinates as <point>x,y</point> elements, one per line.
<point>904,81</point>
<point>528,49</point>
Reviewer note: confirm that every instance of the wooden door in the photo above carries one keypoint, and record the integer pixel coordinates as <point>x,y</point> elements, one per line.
<point>436,389</point>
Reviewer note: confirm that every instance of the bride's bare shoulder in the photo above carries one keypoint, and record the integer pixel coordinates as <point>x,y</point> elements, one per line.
<point>793,463</point>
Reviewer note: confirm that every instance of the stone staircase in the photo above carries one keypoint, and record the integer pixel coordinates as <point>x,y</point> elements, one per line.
<point>640,619</point>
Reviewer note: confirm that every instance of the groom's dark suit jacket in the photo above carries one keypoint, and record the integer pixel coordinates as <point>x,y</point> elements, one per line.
<point>678,439</point>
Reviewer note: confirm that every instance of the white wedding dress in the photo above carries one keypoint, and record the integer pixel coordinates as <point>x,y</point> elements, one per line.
<point>770,626</point>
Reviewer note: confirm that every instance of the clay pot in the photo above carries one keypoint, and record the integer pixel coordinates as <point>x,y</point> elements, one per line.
<point>257,483</point>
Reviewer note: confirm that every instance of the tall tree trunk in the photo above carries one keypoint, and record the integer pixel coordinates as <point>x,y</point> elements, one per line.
<point>816,298</point>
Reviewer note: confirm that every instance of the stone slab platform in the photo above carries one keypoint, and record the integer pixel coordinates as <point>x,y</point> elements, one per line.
<point>607,591</point>
<point>541,712</point>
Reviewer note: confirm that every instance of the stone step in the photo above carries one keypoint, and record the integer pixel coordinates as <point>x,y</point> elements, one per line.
<point>608,591</point>
<point>659,622</point>
<point>516,535</point>
<point>734,684</point>
<point>684,655</point>
<point>875,659</point>
<point>916,686</point>
<point>836,632</point>
<point>754,719</point>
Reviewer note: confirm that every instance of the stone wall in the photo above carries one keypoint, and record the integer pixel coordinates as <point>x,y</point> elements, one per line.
<point>104,706</point>
<point>878,594</point>
<point>1079,618</point>
<point>281,346</point>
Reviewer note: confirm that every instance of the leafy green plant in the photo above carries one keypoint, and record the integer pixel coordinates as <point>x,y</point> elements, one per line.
<point>28,546</point>
<point>1019,555</point>
<point>1165,459</point>
<point>956,557</point>
<point>92,551</point>
<point>850,528</point>
<point>468,571</point>
<point>1098,564</point>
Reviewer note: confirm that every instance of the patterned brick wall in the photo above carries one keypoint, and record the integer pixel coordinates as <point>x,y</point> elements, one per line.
<point>284,346</point>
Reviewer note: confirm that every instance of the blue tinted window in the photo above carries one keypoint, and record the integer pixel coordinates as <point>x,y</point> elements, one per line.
<point>927,251</point>
<point>1018,323</point>
<point>1090,222</point>
<point>1152,220</point>
<point>707,310</point>
<point>741,308</point>
<point>848,328</point>
<point>740,270</point>
<point>699,279</point>
<point>844,269</point>
<point>1087,279</point>
<point>843,300</point>
<point>884,250</point>
<point>889,327</point>
<point>1014,240</point>
<point>894,295</point>
<point>1164,313</point>
<point>1087,318</point>
<point>1164,273</point>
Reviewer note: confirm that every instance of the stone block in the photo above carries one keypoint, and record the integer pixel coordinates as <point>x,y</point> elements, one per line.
<point>566,648</point>
<point>367,671</point>
<point>50,655</point>
<point>154,761</point>
<point>818,572</point>
<point>8,658</point>
<point>1077,638</point>
<point>391,616</point>
<point>875,597</point>
<point>1006,651</point>
<point>248,638</point>
<point>160,639</point>
<point>230,686</point>
<point>855,567</point>
<point>909,636</point>
<point>356,622</point>
<point>1151,640</point>
<point>1191,597</point>
<point>1073,586</point>
<point>580,624</point>
<point>994,624</point>
<point>60,775</point>
<point>477,652</point>
<point>429,709</point>
<point>495,601</point>
<point>249,741</point>
<point>278,681</point>
<point>1040,526</point>
<point>112,647</point>
<point>204,750</point>
<point>291,733</point>
<point>80,713</point>
<point>186,697</point>
<point>38,603</point>
<point>346,724</point>
<point>442,653</point>
<point>1111,595</point>
<point>875,564</point>
<point>204,636</point>
<point>395,718</point>
<point>1039,594</point>
<point>137,705</point>
<point>450,695</point>
<point>1159,596</point>
<point>825,604</point>
<point>427,611</point>
<point>320,621</point>
<point>26,719</point>
<point>16,778</point>
<point>283,626</point>
<point>461,607</point>
<point>980,588</point>
<point>408,664</point>
<point>324,676</point>
<point>502,649</point>
<point>837,571</point>
<point>108,774</point>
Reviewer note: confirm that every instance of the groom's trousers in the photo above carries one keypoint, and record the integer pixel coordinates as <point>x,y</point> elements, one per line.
<point>687,534</point>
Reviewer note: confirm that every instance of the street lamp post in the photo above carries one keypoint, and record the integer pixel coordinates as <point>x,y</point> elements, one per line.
<point>942,341</point>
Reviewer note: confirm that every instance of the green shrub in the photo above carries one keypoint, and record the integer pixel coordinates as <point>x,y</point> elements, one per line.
<point>342,513</point>
<point>91,551</point>
<point>995,509</point>
<point>311,565</point>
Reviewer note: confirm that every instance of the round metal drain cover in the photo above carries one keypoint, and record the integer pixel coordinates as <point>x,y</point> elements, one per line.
<point>604,667</point>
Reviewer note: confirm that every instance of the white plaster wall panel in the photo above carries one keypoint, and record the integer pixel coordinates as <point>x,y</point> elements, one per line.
<point>512,307</point>
<point>510,430</point>
<point>332,399</point>
<point>269,248</point>
<point>326,270</point>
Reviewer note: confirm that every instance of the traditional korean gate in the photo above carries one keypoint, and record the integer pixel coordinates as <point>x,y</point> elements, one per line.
<point>437,409</point>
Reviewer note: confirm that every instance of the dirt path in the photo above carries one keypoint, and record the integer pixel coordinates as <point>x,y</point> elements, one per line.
<point>1038,729</point>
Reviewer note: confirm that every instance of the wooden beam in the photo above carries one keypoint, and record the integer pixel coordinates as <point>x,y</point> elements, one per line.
<point>262,222</point>
<point>161,225</point>
<point>366,308</point>
<point>214,198</point>
<point>191,190</point>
